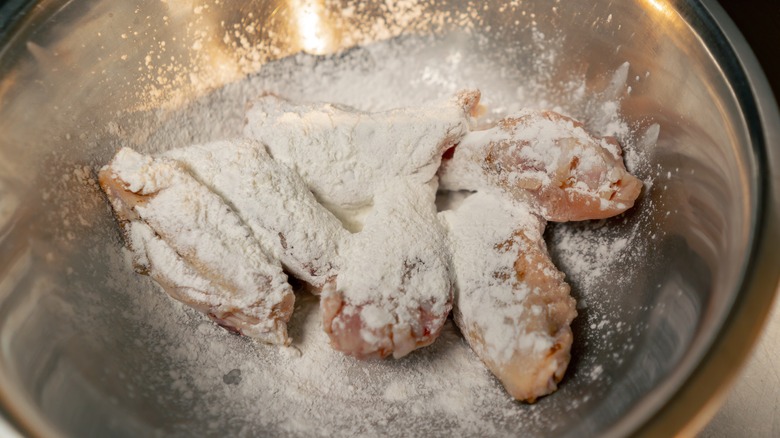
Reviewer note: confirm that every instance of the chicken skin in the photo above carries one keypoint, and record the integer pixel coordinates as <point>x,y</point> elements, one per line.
<point>548,161</point>
<point>377,173</point>
<point>196,247</point>
<point>345,155</point>
<point>392,294</point>
<point>344,201</point>
<point>512,305</point>
<point>273,202</point>
<point>514,308</point>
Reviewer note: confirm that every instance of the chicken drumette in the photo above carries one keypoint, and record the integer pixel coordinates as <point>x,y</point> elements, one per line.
<point>548,161</point>
<point>394,291</point>
<point>512,305</point>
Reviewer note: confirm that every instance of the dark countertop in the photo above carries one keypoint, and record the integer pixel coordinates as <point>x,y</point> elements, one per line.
<point>759,22</point>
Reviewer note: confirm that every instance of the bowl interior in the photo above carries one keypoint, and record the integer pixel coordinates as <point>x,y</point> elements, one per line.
<point>87,347</point>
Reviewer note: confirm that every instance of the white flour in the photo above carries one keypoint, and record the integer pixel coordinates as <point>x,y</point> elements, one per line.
<point>346,156</point>
<point>510,319</point>
<point>548,151</point>
<point>192,243</point>
<point>397,270</point>
<point>229,385</point>
<point>274,203</point>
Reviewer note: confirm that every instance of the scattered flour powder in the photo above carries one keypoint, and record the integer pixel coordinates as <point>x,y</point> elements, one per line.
<point>196,376</point>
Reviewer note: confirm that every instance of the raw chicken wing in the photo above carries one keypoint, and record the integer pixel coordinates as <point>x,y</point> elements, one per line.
<point>548,161</point>
<point>344,155</point>
<point>273,201</point>
<point>512,305</point>
<point>196,247</point>
<point>394,290</point>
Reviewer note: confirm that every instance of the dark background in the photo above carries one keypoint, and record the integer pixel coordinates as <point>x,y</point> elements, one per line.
<point>759,22</point>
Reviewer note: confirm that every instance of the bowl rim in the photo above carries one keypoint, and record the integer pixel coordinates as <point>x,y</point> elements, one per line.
<point>697,399</point>
<point>22,420</point>
<point>12,13</point>
<point>701,394</point>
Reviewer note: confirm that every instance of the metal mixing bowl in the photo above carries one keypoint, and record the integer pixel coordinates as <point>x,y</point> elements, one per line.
<point>695,302</point>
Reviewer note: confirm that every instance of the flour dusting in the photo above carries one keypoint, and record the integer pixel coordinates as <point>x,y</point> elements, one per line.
<point>239,387</point>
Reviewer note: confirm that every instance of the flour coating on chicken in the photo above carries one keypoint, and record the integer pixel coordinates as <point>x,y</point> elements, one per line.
<point>196,247</point>
<point>377,172</point>
<point>345,155</point>
<point>512,305</point>
<point>394,291</point>
<point>344,201</point>
<point>273,201</point>
<point>548,161</point>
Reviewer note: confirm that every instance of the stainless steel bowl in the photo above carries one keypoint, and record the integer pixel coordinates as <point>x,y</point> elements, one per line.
<point>693,305</point>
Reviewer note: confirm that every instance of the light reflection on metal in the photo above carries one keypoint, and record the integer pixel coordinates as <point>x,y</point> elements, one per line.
<point>315,35</point>
<point>662,6</point>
